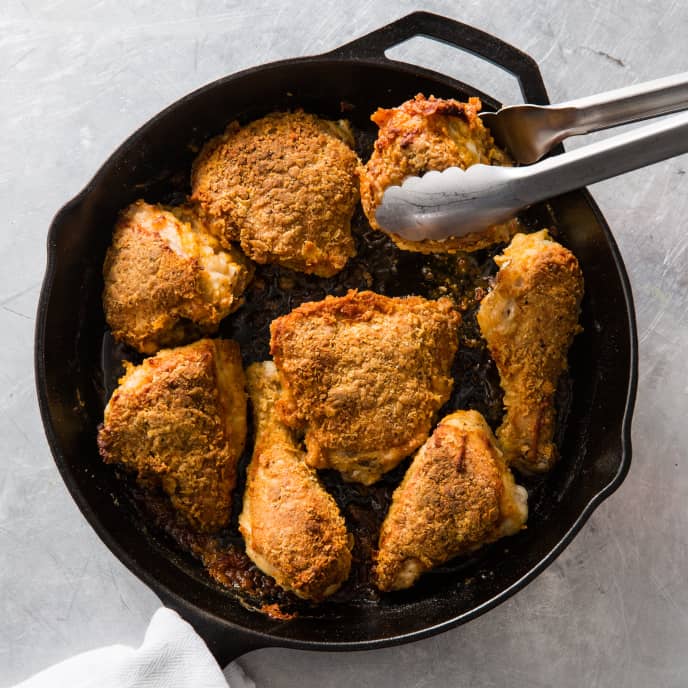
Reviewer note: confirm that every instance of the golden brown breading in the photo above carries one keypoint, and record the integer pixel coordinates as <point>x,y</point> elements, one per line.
<point>179,420</point>
<point>292,527</point>
<point>167,279</point>
<point>285,186</point>
<point>430,134</point>
<point>364,374</point>
<point>456,496</point>
<point>529,320</point>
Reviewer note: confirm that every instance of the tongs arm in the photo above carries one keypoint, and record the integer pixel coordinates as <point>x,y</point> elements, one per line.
<point>628,104</point>
<point>529,131</point>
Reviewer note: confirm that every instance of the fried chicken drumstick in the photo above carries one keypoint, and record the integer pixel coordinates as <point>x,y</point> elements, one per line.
<point>291,526</point>
<point>529,320</point>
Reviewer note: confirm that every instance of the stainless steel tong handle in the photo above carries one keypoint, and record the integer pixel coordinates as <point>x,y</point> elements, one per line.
<point>530,131</point>
<point>457,202</point>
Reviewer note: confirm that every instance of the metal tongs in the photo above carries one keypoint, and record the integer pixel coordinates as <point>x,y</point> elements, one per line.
<point>456,202</point>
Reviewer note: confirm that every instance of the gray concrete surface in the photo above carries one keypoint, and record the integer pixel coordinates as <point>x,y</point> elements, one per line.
<point>76,77</point>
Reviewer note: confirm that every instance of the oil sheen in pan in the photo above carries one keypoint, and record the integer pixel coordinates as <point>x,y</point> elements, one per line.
<point>380,267</point>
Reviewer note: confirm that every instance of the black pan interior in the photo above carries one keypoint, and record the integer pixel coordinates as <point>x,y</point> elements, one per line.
<point>154,164</point>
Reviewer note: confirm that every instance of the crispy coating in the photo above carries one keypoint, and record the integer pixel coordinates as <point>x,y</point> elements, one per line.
<point>292,527</point>
<point>364,375</point>
<point>167,279</point>
<point>529,320</point>
<point>285,186</point>
<point>425,134</point>
<point>178,420</point>
<point>456,496</point>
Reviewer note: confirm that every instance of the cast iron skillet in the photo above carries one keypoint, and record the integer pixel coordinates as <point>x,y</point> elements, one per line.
<point>596,450</point>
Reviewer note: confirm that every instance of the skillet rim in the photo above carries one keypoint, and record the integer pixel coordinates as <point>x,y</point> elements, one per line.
<point>251,639</point>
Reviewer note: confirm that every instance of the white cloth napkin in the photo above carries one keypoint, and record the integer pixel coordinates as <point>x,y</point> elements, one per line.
<point>172,654</point>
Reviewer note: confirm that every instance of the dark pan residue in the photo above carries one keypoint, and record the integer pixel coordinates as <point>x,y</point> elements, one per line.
<point>383,268</point>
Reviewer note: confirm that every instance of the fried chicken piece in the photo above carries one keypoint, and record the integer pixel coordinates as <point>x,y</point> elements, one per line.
<point>292,527</point>
<point>178,420</point>
<point>364,375</point>
<point>456,496</point>
<point>285,186</point>
<point>425,134</point>
<point>167,279</point>
<point>529,320</point>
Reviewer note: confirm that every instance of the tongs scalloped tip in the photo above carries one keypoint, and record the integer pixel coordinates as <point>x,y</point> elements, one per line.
<point>450,203</point>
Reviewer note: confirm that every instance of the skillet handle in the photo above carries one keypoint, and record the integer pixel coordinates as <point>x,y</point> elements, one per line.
<point>462,36</point>
<point>225,642</point>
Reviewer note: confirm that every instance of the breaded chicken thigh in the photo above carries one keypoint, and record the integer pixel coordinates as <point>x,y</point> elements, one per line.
<point>425,134</point>
<point>529,320</point>
<point>456,496</point>
<point>285,186</point>
<point>364,375</point>
<point>167,278</point>
<point>292,527</point>
<point>178,420</point>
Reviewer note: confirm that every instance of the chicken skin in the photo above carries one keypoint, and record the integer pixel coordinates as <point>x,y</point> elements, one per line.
<point>178,421</point>
<point>167,279</point>
<point>364,375</point>
<point>425,134</point>
<point>292,527</point>
<point>529,320</point>
<point>285,186</point>
<point>456,496</point>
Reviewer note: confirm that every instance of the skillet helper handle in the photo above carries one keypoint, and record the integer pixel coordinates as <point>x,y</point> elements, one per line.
<point>595,162</point>
<point>629,104</point>
<point>458,35</point>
